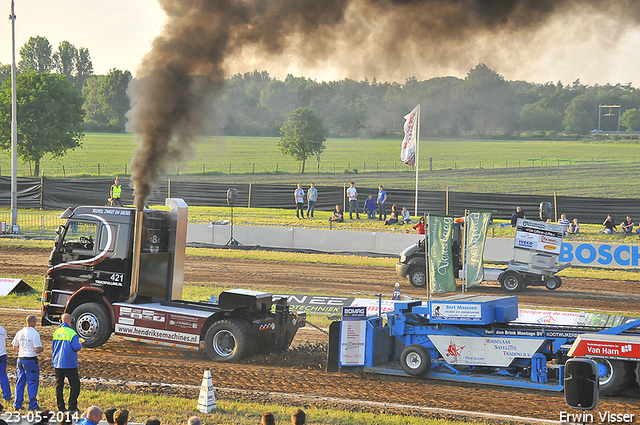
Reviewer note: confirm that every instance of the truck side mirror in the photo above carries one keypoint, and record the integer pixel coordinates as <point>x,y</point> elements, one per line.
<point>581,383</point>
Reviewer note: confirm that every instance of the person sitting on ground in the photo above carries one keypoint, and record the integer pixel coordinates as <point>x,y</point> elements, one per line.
<point>152,421</point>
<point>609,227</point>
<point>108,415</point>
<point>393,217</point>
<point>298,417</point>
<point>420,226</point>
<point>406,217</point>
<point>337,215</point>
<point>627,225</point>
<point>194,420</point>
<point>563,220</point>
<point>516,215</point>
<point>268,419</point>
<point>574,227</point>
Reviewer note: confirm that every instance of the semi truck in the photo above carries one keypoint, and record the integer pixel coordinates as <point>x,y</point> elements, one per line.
<point>482,339</point>
<point>120,271</point>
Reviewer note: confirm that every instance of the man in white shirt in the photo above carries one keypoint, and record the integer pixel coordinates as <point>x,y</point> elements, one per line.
<point>27,343</point>
<point>352,194</point>
<point>4,379</point>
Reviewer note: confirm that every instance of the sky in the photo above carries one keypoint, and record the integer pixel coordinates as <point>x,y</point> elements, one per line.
<point>118,33</point>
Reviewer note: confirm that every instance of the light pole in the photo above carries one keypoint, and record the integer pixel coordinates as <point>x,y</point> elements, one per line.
<point>14,127</point>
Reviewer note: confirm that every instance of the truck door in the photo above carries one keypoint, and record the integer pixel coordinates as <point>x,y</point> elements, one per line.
<point>76,249</point>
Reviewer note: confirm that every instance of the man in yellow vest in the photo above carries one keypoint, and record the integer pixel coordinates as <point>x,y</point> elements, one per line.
<point>66,345</point>
<point>116,192</point>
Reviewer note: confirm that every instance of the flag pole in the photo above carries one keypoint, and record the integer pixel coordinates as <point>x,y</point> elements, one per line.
<point>415,211</point>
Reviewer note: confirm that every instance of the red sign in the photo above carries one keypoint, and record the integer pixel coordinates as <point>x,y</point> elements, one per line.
<point>624,348</point>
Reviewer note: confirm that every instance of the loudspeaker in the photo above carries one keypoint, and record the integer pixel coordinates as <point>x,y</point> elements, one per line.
<point>232,196</point>
<point>581,383</point>
<point>545,210</point>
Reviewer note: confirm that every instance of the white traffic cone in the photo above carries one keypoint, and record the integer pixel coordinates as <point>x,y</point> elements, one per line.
<point>396,292</point>
<point>207,398</point>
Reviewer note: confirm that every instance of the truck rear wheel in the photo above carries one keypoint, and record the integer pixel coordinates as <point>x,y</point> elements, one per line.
<point>552,283</point>
<point>511,281</point>
<point>415,360</point>
<point>418,277</point>
<point>614,375</point>
<point>92,323</point>
<point>228,340</point>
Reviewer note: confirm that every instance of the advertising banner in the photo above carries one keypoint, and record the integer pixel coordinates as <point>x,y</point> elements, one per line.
<point>352,336</point>
<point>440,256</point>
<point>478,223</point>
<point>484,351</point>
<point>539,236</point>
<point>408,152</point>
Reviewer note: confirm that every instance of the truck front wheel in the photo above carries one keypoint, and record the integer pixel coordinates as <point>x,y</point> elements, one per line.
<point>92,324</point>
<point>418,277</point>
<point>228,340</point>
<point>415,360</point>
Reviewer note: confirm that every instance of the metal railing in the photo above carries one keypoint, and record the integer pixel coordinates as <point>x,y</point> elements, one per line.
<point>32,223</point>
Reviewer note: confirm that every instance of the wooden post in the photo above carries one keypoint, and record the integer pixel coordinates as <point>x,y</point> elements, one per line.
<point>430,163</point>
<point>229,168</point>
<point>42,191</point>
<point>276,167</point>
<point>555,206</point>
<point>249,199</point>
<point>64,172</point>
<point>446,202</point>
<point>254,168</point>
<point>203,168</point>
<point>125,169</point>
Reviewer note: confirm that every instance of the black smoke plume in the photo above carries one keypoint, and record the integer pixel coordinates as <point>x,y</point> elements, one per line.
<point>200,36</point>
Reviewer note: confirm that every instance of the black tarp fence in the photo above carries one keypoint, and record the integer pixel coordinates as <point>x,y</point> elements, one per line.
<point>47,194</point>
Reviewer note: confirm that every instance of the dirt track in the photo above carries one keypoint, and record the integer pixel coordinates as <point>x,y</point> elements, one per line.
<point>301,370</point>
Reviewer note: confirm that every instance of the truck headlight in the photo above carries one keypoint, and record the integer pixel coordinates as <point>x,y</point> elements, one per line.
<point>403,258</point>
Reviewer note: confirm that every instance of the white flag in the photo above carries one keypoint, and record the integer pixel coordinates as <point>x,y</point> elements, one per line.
<point>408,152</point>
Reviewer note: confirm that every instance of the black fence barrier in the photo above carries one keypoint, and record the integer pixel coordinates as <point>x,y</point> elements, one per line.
<point>44,193</point>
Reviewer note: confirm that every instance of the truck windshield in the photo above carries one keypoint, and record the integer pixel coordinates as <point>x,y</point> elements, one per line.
<point>80,236</point>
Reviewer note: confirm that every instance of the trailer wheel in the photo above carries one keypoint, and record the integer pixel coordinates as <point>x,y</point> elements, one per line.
<point>92,323</point>
<point>415,360</point>
<point>228,340</point>
<point>418,277</point>
<point>511,281</point>
<point>614,375</point>
<point>552,283</point>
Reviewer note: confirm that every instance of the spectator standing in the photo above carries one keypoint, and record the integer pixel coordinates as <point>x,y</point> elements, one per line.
<point>516,215</point>
<point>298,417</point>
<point>574,227</point>
<point>627,225</point>
<point>420,227</point>
<point>27,343</point>
<point>352,194</point>
<point>268,419</point>
<point>4,379</point>
<point>406,217</point>
<point>121,417</point>
<point>609,227</point>
<point>92,416</point>
<point>108,415</point>
<point>115,192</point>
<point>312,197</point>
<point>64,353</point>
<point>337,215</point>
<point>370,207</point>
<point>381,201</point>
<point>298,196</point>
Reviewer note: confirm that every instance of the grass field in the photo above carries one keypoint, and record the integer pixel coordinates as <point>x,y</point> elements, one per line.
<point>581,168</point>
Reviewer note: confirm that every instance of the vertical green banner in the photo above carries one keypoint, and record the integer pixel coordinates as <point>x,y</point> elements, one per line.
<point>477,226</point>
<point>440,256</point>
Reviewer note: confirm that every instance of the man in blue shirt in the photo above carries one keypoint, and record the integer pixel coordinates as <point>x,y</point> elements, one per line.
<point>66,345</point>
<point>382,203</point>
<point>93,416</point>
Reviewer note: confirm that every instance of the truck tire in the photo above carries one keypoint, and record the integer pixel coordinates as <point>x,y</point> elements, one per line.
<point>92,323</point>
<point>418,277</point>
<point>228,340</point>
<point>614,375</point>
<point>511,281</point>
<point>552,283</point>
<point>415,360</point>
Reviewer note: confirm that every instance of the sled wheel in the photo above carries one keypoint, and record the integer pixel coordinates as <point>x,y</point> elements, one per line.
<point>511,281</point>
<point>415,360</point>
